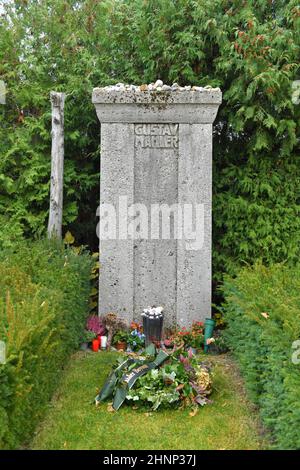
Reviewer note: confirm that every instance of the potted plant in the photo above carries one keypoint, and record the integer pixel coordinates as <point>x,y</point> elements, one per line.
<point>183,336</point>
<point>192,339</point>
<point>197,336</point>
<point>136,340</point>
<point>113,323</point>
<point>87,338</point>
<point>96,325</point>
<point>120,340</point>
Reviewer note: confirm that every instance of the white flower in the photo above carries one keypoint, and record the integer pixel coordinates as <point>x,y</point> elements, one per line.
<point>153,312</point>
<point>210,340</point>
<point>154,373</point>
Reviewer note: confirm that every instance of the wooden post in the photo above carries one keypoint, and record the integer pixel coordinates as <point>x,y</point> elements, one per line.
<point>57,165</point>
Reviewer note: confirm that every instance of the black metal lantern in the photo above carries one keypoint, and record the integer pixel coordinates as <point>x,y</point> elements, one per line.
<point>153,325</point>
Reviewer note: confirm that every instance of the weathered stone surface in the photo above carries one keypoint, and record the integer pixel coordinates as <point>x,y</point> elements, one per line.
<point>156,148</point>
<point>195,185</point>
<point>116,256</point>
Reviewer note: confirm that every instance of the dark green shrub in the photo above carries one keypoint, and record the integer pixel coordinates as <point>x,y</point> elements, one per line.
<point>44,292</point>
<point>262,311</point>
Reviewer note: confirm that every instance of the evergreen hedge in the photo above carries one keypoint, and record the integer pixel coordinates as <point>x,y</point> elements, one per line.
<point>262,311</point>
<point>44,293</point>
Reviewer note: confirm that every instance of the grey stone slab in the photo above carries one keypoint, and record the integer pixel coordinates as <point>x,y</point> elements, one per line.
<point>178,113</point>
<point>116,291</point>
<point>162,99</point>
<point>195,186</point>
<point>155,261</point>
<point>151,106</point>
<point>156,148</point>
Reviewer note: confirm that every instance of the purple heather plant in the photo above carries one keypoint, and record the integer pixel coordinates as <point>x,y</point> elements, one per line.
<point>95,324</point>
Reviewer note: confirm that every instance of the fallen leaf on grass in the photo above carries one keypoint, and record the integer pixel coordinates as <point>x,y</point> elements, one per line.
<point>110,408</point>
<point>265,315</point>
<point>194,412</point>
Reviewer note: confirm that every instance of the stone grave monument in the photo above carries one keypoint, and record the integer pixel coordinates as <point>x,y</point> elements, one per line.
<point>155,199</point>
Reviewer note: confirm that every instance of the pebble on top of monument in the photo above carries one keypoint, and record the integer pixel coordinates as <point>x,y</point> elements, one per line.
<point>155,199</point>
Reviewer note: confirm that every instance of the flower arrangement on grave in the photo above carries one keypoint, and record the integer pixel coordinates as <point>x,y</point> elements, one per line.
<point>159,381</point>
<point>113,323</point>
<point>96,325</point>
<point>136,337</point>
<point>120,340</point>
<point>153,312</point>
<point>93,330</point>
<point>191,338</point>
<point>181,381</point>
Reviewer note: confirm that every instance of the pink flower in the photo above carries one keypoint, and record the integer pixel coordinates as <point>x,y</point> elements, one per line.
<point>190,353</point>
<point>183,359</point>
<point>95,324</point>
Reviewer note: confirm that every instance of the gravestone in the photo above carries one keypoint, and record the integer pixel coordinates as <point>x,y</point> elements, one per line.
<point>156,172</point>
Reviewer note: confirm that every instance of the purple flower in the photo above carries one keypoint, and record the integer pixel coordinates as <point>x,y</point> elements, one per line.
<point>95,324</point>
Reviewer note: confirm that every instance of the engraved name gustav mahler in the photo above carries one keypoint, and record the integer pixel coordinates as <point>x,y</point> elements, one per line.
<point>159,221</point>
<point>156,135</point>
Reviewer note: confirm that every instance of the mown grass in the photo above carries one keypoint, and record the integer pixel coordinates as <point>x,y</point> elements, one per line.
<point>73,422</point>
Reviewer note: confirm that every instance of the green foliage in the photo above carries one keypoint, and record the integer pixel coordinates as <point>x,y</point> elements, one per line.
<point>120,337</point>
<point>193,337</point>
<point>135,340</point>
<point>262,311</point>
<point>88,336</point>
<point>250,49</point>
<point>44,291</point>
<point>182,380</point>
<point>152,390</point>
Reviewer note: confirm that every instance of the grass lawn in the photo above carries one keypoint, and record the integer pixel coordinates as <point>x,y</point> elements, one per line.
<point>73,422</point>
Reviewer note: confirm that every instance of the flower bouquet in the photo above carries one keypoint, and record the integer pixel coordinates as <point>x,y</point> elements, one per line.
<point>136,338</point>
